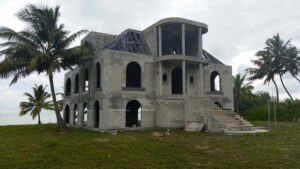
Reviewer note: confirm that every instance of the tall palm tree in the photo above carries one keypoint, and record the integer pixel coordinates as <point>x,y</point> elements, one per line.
<point>241,89</point>
<point>281,54</point>
<point>43,47</point>
<point>36,102</point>
<point>264,70</point>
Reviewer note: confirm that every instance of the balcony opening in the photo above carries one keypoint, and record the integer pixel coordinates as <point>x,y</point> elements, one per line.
<point>191,40</point>
<point>171,39</point>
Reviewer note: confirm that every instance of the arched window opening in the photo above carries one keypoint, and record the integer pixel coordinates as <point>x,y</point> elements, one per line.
<point>86,80</point>
<point>177,81</point>
<point>67,114</point>
<point>215,82</point>
<point>76,83</point>
<point>165,77</point>
<point>68,87</point>
<point>85,114</point>
<point>98,75</point>
<point>133,75</point>
<point>75,115</point>
<point>191,80</point>
<point>133,114</point>
<point>97,114</point>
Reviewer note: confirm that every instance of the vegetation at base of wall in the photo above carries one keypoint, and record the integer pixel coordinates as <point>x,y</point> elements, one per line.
<point>39,146</point>
<point>286,110</point>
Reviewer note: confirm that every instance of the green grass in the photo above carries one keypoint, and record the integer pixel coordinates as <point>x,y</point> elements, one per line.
<point>32,146</point>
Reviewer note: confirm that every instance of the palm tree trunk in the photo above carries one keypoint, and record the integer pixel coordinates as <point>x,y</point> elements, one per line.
<point>60,122</point>
<point>276,87</point>
<point>285,88</point>
<point>39,118</point>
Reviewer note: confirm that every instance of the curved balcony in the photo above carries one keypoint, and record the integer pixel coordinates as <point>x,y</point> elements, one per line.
<point>181,58</point>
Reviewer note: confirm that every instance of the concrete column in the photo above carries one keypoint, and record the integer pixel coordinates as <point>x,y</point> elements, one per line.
<point>183,79</point>
<point>71,117</point>
<point>90,118</point>
<point>201,80</point>
<point>200,44</point>
<point>159,42</point>
<point>160,78</point>
<point>183,39</point>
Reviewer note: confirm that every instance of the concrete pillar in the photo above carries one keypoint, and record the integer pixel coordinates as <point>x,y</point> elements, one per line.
<point>183,79</point>
<point>160,78</point>
<point>200,44</point>
<point>159,42</point>
<point>183,39</point>
<point>71,117</point>
<point>90,118</point>
<point>200,80</point>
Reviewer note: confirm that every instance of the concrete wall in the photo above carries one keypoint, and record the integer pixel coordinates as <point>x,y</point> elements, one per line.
<point>226,95</point>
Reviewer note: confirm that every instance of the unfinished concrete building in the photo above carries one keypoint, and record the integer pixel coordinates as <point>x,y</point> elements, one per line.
<point>158,77</point>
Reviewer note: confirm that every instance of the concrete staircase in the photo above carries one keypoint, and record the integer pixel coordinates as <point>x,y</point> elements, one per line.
<point>228,120</point>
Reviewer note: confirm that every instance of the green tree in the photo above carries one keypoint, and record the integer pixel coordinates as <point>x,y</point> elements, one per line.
<point>43,47</point>
<point>281,54</point>
<point>36,102</point>
<point>241,89</point>
<point>264,70</point>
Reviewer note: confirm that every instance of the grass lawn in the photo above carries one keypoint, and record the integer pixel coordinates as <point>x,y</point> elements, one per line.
<point>33,146</point>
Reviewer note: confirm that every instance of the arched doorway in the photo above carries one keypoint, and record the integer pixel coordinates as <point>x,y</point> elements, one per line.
<point>133,75</point>
<point>75,115</point>
<point>67,114</point>
<point>133,114</point>
<point>96,114</point>
<point>177,81</point>
<point>85,114</point>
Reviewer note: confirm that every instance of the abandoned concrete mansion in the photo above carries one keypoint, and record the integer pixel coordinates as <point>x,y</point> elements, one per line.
<point>158,77</point>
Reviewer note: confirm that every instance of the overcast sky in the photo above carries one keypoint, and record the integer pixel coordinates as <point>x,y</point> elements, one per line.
<point>236,30</point>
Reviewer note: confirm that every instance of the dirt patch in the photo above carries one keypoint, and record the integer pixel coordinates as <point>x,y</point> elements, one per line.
<point>101,140</point>
<point>161,134</point>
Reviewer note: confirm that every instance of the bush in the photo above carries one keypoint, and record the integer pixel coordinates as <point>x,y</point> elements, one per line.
<point>285,111</point>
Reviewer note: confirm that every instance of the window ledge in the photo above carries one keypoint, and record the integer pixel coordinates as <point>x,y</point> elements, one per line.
<point>133,89</point>
<point>215,93</point>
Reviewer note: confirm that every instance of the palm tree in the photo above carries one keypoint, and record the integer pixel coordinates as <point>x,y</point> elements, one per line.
<point>36,102</point>
<point>241,90</point>
<point>281,54</point>
<point>263,70</point>
<point>42,47</point>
